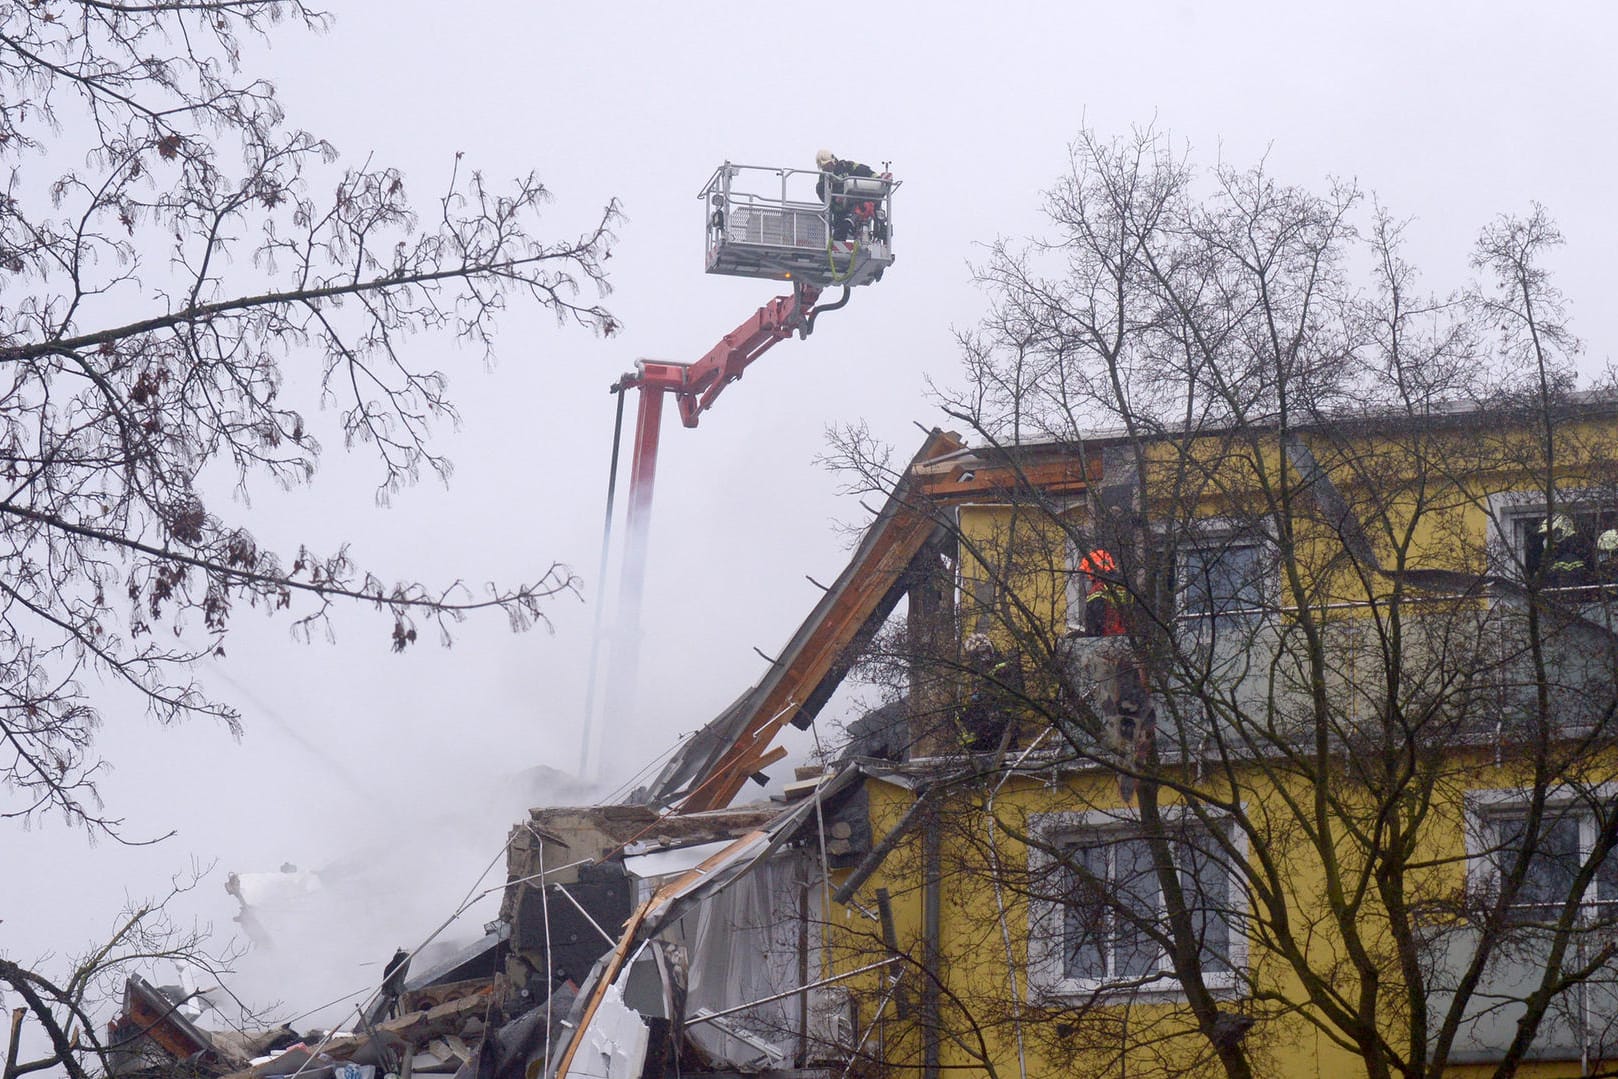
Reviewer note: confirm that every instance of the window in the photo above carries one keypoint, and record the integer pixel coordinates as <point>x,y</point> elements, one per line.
<point>1217,580</point>
<point>1564,548</point>
<point>1096,583</point>
<point>1222,579</point>
<point>1077,587</point>
<point>1567,837</point>
<point>1223,586</point>
<point>1104,904</point>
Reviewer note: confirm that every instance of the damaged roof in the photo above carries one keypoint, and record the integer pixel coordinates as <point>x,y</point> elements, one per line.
<point>713,764</point>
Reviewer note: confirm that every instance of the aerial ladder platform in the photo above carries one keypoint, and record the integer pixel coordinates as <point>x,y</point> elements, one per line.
<point>816,230</point>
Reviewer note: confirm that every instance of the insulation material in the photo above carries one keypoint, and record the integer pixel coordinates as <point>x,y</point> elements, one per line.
<point>613,1044</point>
<point>744,945</point>
<point>663,863</point>
<point>686,894</point>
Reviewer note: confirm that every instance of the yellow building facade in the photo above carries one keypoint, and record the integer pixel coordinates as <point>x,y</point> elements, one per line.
<point>1316,778</point>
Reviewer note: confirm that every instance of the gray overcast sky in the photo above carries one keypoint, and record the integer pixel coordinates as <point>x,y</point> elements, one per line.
<point>1449,112</point>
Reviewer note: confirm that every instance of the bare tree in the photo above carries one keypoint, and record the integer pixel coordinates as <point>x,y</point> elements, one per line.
<point>68,1001</point>
<point>1340,768</point>
<point>185,275</point>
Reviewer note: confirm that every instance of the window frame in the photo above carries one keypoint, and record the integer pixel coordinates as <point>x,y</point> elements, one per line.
<point>1203,628</point>
<point>1075,586</point>
<point>1047,931</point>
<point>1204,534</point>
<point>1486,808</point>
<point>1221,545</point>
<point>1074,591</point>
<point>1512,513</point>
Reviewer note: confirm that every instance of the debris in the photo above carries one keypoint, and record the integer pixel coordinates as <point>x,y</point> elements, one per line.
<point>633,939</point>
<point>612,1044</point>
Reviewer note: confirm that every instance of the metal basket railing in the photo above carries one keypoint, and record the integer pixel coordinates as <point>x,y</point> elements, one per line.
<point>772,223</point>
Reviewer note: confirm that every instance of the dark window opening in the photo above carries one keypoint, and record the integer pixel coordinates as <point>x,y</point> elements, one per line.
<point>1223,580</point>
<point>1571,548</point>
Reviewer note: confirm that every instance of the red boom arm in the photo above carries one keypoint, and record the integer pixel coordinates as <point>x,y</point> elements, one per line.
<point>695,387</point>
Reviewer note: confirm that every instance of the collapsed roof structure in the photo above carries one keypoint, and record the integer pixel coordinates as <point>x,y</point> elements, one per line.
<point>668,926</point>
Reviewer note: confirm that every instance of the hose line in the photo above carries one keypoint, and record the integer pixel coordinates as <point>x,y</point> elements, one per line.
<point>601,590</point>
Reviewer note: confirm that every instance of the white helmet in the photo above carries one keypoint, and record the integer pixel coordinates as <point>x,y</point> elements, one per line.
<point>1607,542</point>
<point>824,159</point>
<point>1559,525</point>
<point>977,644</point>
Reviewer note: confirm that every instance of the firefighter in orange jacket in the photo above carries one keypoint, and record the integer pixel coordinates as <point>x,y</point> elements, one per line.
<point>1136,718</point>
<point>1105,595</point>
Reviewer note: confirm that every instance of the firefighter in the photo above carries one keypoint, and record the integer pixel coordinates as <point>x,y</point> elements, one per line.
<point>1104,595</point>
<point>1563,552</point>
<point>1606,560</point>
<point>1134,723</point>
<point>847,214</point>
<point>993,695</point>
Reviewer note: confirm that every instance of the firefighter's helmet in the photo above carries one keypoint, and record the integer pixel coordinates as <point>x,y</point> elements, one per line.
<point>977,644</point>
<point>1559,526</point>
<point>1098,562</point>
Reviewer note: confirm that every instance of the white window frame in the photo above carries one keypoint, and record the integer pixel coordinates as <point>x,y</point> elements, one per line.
<point>1211,533</point>
<point>1073,588</point>
<point>1506,554</point>
<point>1485,806</point>
<point>1221,544</point>
<point>1047,942</point>
<point>1199,628</point>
